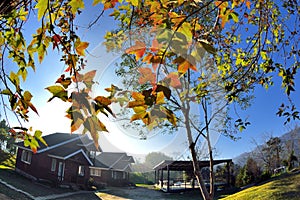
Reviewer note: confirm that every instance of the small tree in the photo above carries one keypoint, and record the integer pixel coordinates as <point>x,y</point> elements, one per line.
<point>249,173</point>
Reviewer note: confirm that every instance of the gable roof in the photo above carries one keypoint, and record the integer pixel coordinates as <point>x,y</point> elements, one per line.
<point>56,140</point>
<point>63,153</point>
<point>115,161</point>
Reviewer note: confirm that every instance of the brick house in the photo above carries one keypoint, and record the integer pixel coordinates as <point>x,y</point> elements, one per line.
<point>73,159</point>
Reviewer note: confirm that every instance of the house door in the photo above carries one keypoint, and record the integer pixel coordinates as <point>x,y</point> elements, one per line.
<point>61,171</point>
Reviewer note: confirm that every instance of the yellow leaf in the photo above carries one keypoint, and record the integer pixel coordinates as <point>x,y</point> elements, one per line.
<point>80,47</point>
<point>95,2</point>
<point>140,109</point>
<point>42,6</point>
<point>75,5</point>
<point>160,98</point>
<point>138,116</point>
<point>134,2</point>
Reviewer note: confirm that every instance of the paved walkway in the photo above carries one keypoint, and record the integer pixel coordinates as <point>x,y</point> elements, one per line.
<point>53,196</point>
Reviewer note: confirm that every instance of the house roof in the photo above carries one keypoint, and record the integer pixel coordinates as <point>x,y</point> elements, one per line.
<point>56,140</point>
<point>115,160</point>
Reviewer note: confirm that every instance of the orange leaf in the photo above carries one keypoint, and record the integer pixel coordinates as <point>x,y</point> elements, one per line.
<point>248,4</point>
<point>89,76</point>
<point>33,108</point>
<point>110,4</point>
<point>155,45</point>
<point>138,96</point>
<point>184,65</point>
<point>173,80</point>
<point>138,50</point>
<point>133,104</point>
<point>103,100</point>
<point>146,75</point>
<point>76,124</point>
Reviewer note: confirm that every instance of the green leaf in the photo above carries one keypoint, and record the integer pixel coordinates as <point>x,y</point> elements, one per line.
<point>6,92</point>
<point>58,91</point>
<point>27,96</point>
<point>75,5</point>
<point>185,29</point>
<point>37,133</point>
<point>235,17</point>
<point>95,2</point>
<point>42,6</point>
<point>14,79</point>
<point>26,142</point>
<point>208,47</point>
<point>134,2</point>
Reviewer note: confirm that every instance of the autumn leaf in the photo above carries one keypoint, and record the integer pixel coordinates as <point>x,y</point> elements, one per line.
<point>80,47</point>
<point>146,75</point>
<point>133,2</point>
<point>165,90</point>
<point>103,100</point>
<point>170,116</point>
<point>184,65</point>
<point>65,82</point>
<point>42,6</point>
<point>58,91</point>
<point>109,3</point>
<point>27,96</point>
<point>139,116</point>
<point>38,135</point>
<point>160,98</point>
<point>95,2</point>
<point>248,4</point>
<point>138,50</point>
<point>173,80</point>
<point>75,5</point>
<point>75,124</point>
<point>137,96</point>
<point>207,46</point>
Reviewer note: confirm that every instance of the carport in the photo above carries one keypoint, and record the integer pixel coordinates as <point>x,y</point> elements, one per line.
<point>186,166</point>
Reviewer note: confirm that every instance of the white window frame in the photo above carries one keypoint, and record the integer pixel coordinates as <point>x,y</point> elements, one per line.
<point>53,165</point>
<point>80,170</point>
<point>26,156</point>
<point>95,172</point>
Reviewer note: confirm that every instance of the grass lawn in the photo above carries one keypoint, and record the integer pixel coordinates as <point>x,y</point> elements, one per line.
<point>12,178</point>
<point>284,187</point>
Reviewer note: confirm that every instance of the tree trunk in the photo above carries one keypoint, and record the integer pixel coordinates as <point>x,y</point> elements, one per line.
<point>197,171</point>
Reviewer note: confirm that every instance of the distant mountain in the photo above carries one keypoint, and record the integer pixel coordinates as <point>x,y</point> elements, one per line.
<point>289,140</point>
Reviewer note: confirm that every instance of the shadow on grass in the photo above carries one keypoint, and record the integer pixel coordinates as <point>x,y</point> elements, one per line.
<point>22,183</point>
<point>149,192</point>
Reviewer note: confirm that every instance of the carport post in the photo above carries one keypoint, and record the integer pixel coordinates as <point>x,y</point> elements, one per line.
<point>168,183</point>
<point>162,178</point>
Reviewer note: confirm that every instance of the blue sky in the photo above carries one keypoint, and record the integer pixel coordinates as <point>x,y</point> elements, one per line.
<point>261,114</point>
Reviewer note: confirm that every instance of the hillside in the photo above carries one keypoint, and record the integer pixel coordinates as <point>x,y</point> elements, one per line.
<point>291,138</point>
<point>284,187</point>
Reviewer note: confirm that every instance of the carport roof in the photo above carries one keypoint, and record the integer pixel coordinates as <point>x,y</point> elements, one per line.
<point>185,165</point>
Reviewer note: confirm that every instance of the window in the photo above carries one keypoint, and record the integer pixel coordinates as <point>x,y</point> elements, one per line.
<point>81,170</point>
<point>95,172</point>
<point>53,165</point>
<point>114,175</point>
<point>26,156</point>
<point>124,175</point>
